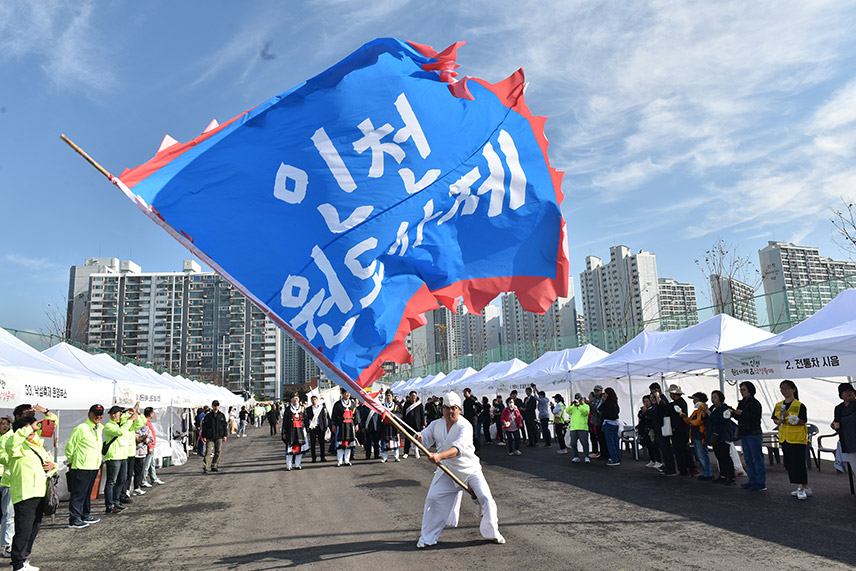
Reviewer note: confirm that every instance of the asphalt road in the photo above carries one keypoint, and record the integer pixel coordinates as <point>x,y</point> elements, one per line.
<point>555,515</point>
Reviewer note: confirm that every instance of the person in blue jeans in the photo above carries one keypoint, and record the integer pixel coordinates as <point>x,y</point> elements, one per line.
<point>748,413</point>
<point>609,409</point>
<point>698,433</point>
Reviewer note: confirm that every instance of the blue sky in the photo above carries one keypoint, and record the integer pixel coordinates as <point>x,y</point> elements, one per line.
<point>676,123</point>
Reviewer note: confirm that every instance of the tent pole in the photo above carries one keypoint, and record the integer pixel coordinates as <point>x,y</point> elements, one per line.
<point>721,381</point>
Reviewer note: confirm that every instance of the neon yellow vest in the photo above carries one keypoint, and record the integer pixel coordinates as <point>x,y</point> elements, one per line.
<point>788,433</point>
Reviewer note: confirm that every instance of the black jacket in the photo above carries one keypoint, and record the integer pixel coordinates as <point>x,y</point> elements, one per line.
<point>530,408</point>
<point>214,426</point>
<point>323,417</point>
<point>416,417</point>
<point>749,421</point>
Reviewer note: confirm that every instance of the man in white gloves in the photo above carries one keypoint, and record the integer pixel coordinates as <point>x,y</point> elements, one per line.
<point>453,438</point>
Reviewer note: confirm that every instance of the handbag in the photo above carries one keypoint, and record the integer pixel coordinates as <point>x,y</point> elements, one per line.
<point>106,446</point>
<point>667,426</point>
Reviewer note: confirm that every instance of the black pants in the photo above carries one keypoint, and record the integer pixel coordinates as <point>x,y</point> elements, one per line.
<point>594,432</point>
<point>683,455</point>
<point>272,428</point>
<point>80,484</point>
<point>665,444</point>
<point>531,431</point>
<point>560,434</point>
<point>129,476</point>
<point>371,443</point>
<point>28,521</point>
<point>795,463</point>
<point>407,442</point>
<point>499,432</point>
<point>316,436</point>
<point>476,437</point>
<point>545,430</point>
<point>723,457</point>
<point>486,429</point>
<point>139,464</point>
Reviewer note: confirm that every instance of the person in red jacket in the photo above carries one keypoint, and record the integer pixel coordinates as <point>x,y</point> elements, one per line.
<point>511,422</point>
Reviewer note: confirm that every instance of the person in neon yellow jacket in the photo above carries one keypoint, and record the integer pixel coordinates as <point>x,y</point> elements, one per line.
<point>578,423</point>
<point>83,455</point>
<point>118,437</point>
<point>29,468</point>
<point>7,523</point>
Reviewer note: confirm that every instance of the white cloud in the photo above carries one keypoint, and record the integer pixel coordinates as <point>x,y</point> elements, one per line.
<point>61,37</point>
<point>31,263</point>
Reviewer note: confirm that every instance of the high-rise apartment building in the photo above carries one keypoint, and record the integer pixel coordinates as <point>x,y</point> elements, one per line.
<point>733,297</point>
<point>434,342</point>
<point>619,298</point>
<point>475,334</point>
<point>678,307</point>
<point>193,323</point>
<point>79,294</point>
<point>534,334</point>
<point>785,269</point>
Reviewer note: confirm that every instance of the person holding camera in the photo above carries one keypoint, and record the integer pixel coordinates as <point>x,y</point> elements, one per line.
<point>578,425</point>
<point>30,467</point>
<point>791,417</point>
<point>83,455</point>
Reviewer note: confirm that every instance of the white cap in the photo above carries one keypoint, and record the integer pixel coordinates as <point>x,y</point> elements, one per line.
<point>451,399</point>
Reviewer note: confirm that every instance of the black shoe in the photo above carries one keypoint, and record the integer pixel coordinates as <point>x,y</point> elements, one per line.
<point>111,510</point>
<point>125,500</point>
<point>323,459</point>
<point>719,481</point>
<point>204,470</point>
<point>300,467</point>
<point>313,460</point>
<point>119,508</point>
<point>215,469</point>
<point>729,482</point>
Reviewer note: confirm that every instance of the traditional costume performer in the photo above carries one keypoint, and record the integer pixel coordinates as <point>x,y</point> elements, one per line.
<point>389,437</point>
<point>443,503</point>
<point>294,434</point>
<point>343,418</point>
<point>318,420</point>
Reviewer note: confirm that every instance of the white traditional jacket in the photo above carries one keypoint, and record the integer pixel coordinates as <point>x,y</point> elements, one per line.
<point>460,436</point>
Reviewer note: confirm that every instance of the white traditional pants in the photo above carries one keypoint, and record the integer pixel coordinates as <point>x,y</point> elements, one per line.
<point>443,504</point>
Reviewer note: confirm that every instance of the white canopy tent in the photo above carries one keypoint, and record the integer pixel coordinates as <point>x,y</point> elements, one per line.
<point>486,378</point>
<point>824,345</point>
<point>443,384</point>
<point>654,353</point>
<point>28,376</point>
<point>423,387</point>
<point>550,371</point>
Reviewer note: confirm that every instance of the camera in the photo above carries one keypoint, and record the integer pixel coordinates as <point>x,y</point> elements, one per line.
<point>47,428</point>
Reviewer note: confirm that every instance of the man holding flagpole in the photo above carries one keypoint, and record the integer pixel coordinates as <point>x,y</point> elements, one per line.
<point>453,438</point>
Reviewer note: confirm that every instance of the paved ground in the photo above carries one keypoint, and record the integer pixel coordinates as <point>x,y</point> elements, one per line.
<point>555,515</point>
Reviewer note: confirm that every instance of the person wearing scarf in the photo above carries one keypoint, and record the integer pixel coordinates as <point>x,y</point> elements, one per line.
<point>294,433</point>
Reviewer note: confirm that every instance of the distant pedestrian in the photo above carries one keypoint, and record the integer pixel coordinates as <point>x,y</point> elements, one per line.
<point>243,419</point>
<point>559,423</point>
<point>578,424</point>
<point>721,430</point>
<point>544,418</point>
<point>610,409</point>
<point>150,474</point>
<point>214,431</point>
<point>512,420</point>
<point>273,417</point>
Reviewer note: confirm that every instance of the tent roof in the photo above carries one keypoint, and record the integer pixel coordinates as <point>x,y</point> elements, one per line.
<point>554,365</point>
<point>490,373</point>
<point>831,332</point>
<point>692,348</point>
<point>16,353</point>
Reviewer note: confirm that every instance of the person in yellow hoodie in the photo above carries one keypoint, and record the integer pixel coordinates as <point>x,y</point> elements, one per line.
<point>83,455</point>
<point>7,523</point>
<point>118,436</point>
<point>29,467</point>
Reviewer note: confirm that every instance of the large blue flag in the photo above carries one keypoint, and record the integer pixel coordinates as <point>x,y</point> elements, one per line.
<point>351,204</point>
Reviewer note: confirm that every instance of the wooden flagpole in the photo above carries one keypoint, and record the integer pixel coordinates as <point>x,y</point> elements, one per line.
<point>291,332</point>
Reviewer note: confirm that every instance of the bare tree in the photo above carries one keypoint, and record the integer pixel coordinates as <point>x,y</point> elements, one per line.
<point>722,266</point>
<point>58,323</point>
<point>844,220</point>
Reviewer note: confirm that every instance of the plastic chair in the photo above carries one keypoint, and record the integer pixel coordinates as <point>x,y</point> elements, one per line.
<point>629,441</point>
<point>813,430</point>
<point>822,448</point>
<point>770,440</point>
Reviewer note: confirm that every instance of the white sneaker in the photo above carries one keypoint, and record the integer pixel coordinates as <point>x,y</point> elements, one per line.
<point>807,492</point>
<point>801,494</point>
<point>405,456</point>
<point>421,545</point>
<point>518,453</point>
<point>650,464</point>
<point>138,492</point>
<point>383,460</point>
<point>145,485</point>
<point>398,459</point>
<point>588,460</point>
<point>159,481</point>
<point>511,453</point>
<point>29,567</point>
<point>499,540</point>
<point>658,465</point>
<point>562,451</point>
<point>576,460</point>
<point>6,551</point>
